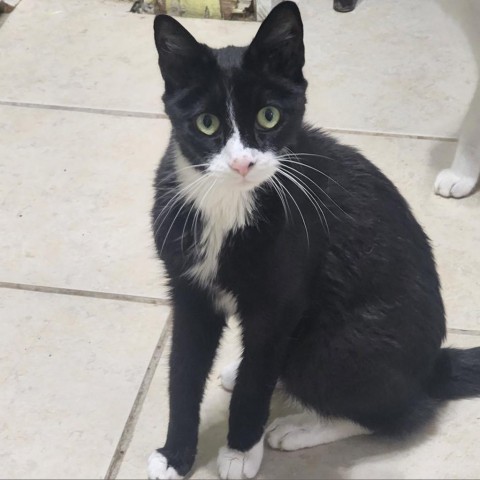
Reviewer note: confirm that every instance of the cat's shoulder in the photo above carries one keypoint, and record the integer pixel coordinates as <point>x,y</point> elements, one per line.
<point>317,141</point>
<point>342,161</point>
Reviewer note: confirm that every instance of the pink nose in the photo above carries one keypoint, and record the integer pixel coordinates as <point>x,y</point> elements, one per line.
<point>242,165</point>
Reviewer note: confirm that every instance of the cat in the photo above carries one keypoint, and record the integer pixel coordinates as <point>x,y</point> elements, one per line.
<point>461,178</point>
<point>333,281</point>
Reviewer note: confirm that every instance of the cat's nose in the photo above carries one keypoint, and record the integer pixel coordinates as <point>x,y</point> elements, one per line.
<point>242,165</point>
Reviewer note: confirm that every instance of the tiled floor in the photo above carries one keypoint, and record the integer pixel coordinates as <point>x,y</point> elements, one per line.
<point>83,308</point>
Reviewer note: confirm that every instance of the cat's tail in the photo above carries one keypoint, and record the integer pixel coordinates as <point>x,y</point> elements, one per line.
<point>456,374</point>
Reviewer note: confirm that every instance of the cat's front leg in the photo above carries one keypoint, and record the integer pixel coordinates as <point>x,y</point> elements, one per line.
<point>461,178</point>
<point>265,339</point>
<point>195,337</point>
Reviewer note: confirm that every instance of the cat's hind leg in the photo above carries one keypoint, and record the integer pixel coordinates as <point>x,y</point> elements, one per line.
<point>307,429</point>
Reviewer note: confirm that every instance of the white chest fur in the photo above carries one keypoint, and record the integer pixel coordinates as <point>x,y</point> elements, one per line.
<point>222,209</point>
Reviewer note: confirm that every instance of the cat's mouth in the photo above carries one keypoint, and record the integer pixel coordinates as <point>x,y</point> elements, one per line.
<point>246,184</point>
<point>254,178</point>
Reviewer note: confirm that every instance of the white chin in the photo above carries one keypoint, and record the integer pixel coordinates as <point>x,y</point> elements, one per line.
<point>246,184</point>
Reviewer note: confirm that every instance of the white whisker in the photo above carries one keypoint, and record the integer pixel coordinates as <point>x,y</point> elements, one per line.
<point>294,170</point>
<point>207,177</point>
<point>176,216</point>
<point>278,188</point>
<point>323,191</point>
<point>309,193</point>
<point>179,196</point>
<point>310,196</point>
<point>199,209</point>
<point>299,211</point>
<point>287,157</point>
<point>178,170</point>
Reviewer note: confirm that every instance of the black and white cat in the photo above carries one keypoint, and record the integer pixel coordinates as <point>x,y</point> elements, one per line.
<point>311,247</point>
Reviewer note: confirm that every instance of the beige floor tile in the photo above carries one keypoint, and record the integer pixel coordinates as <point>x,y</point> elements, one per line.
<point>99,56</point>
<point>69,53</point>
<point>402,66</point>
<point>70,369</point>
<point>76,199</point>
<point>434,454</point>
<point>452,225</point>
<point>380,68</point>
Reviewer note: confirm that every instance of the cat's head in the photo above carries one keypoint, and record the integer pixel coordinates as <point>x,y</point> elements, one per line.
<point>234,110</point>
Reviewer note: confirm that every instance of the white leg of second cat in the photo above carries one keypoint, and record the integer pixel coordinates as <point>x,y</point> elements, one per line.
<point>460,179</point>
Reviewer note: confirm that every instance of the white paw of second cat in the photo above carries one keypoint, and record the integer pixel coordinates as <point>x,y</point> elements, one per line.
<point>233,464</point>
<point>158,468</point>
<point>450,184</point>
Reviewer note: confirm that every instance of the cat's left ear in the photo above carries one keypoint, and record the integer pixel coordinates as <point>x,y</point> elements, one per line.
<point>278,45</point>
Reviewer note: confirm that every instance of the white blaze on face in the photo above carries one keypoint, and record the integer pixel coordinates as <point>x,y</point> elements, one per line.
<point>242,167</point>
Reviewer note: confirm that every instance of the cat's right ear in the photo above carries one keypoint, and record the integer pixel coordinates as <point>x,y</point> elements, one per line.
<point>180,57</point>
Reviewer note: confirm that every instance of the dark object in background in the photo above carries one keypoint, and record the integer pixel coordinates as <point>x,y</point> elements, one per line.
<point>5,8</point>
<point>344,6</point>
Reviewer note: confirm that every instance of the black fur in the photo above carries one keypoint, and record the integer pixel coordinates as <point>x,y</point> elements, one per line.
<point>349,318</point>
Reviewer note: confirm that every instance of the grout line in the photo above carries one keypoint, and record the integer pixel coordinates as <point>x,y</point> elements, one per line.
<point>391,134</point>
<point>129,428</point>
<point>462,331</point>
<point>136,298</point>
<point>85,293</point>
<point>101,111</point>
<point>158,115</point>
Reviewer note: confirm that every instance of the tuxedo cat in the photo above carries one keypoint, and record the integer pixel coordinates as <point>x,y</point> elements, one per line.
<point>303,239</point>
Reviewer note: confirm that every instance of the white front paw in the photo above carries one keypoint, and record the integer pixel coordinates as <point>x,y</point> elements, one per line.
<point>451,184</point>
<point>158,468</point>
<point>233,464</point>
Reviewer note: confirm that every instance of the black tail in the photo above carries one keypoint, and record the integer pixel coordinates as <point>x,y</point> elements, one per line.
<point>456,374</point>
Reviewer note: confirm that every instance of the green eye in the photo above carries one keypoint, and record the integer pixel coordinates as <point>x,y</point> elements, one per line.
<point>268,117</point>
<point>208,123</point>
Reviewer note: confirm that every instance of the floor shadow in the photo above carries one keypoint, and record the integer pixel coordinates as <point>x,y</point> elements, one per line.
<point>333,461</point>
